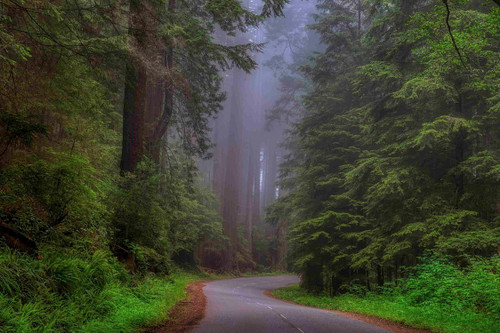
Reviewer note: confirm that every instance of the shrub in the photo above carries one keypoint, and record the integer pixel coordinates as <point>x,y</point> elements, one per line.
<point>440,283</point>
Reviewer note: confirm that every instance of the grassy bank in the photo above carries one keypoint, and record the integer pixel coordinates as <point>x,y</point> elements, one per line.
<point>78,292</point>
<point>396,309</point>
<point>437,295</point>
<point>140,306</point>
<point>62,293</point>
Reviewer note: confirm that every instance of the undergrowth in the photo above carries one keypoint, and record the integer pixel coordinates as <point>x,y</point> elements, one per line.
<point>65,293</point>
<point>437,295</point>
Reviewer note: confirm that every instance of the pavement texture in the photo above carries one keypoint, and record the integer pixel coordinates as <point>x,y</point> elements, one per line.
<point>240,306</point>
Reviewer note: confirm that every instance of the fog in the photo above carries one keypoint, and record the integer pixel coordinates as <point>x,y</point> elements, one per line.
<point>248,132</point>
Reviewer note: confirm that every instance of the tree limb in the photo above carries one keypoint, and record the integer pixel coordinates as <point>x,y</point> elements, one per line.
<point>448,13</point>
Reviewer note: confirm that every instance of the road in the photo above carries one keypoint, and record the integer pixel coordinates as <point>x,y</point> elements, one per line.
<point>239,306</point>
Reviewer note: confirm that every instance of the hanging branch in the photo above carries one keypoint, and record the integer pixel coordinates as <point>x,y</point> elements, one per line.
<point>448,14</point>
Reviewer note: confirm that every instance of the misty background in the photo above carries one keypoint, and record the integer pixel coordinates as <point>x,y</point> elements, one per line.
<point>249,131</point>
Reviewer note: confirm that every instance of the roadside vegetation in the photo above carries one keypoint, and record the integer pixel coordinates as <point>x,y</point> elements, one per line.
<point>437,295</point>
<point>68,292</point>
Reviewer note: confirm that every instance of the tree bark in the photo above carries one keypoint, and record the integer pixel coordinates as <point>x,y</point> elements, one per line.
<point>134,110</point>
<point>135,96</point>
<point>148,99</point>
<point>231,210</point>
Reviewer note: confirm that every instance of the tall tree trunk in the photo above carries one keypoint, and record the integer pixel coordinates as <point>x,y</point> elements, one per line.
<point>231,210</point>
<point>250,196</point>
<point>270,173</point>
<point>148,99</point>
<point>166,109</point>
<point>134,110</point>
<point>135,96</point>
<point>256,190</point>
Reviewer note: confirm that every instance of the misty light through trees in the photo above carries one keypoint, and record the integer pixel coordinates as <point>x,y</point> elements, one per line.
<point>244,168</point>
<point>148,145</point>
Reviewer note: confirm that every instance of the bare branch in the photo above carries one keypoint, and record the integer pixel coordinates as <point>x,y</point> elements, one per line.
<point>448,13</point>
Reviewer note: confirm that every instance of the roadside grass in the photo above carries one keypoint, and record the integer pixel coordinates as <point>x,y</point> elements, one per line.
<point>69,294</point>
<point>147,304</point>
<point>61,292</point>
<point>396,308</point>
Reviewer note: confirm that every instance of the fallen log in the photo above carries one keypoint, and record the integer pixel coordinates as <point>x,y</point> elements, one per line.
<point>17,240</point>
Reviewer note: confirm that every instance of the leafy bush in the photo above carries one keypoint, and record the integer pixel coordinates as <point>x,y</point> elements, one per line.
<point>439,283</point>
<point>159,216</point>
<point>52,200</point>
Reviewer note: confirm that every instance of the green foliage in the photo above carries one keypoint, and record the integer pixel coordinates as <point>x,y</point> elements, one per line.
<point>437,282</point>
<point>437,295</point>
<point>17,128</point>
<point>68,292</point>
<point>139,216</point>
<point>396,152</point>
<point>160,216</point>
<point>52,200</point>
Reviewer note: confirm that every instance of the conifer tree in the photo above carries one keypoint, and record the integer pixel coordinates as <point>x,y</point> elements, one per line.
<point>395,152</point>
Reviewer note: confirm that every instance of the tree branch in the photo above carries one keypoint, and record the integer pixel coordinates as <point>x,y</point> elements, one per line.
<point>448,13</point>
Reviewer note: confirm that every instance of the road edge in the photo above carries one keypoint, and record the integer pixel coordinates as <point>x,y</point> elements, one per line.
<point>386,324</point>
<point>186,314</point>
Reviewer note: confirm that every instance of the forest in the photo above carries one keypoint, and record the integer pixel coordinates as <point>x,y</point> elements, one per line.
<point>145,145</point>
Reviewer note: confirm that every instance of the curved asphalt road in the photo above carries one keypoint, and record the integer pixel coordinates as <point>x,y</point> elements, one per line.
<point>239,305</point>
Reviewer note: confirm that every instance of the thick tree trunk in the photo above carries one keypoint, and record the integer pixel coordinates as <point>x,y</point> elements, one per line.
<point>135,96</point>
<point>282,245</point>
<point>231,210</point>
<point>165,109</point>
<point>270,174</point>
<point>148,98</point>
<point>154,106</point>
<point>134,109</point>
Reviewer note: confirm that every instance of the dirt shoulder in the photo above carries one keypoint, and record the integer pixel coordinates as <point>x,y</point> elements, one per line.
<point>382,323</point>
<point>187,313</point>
